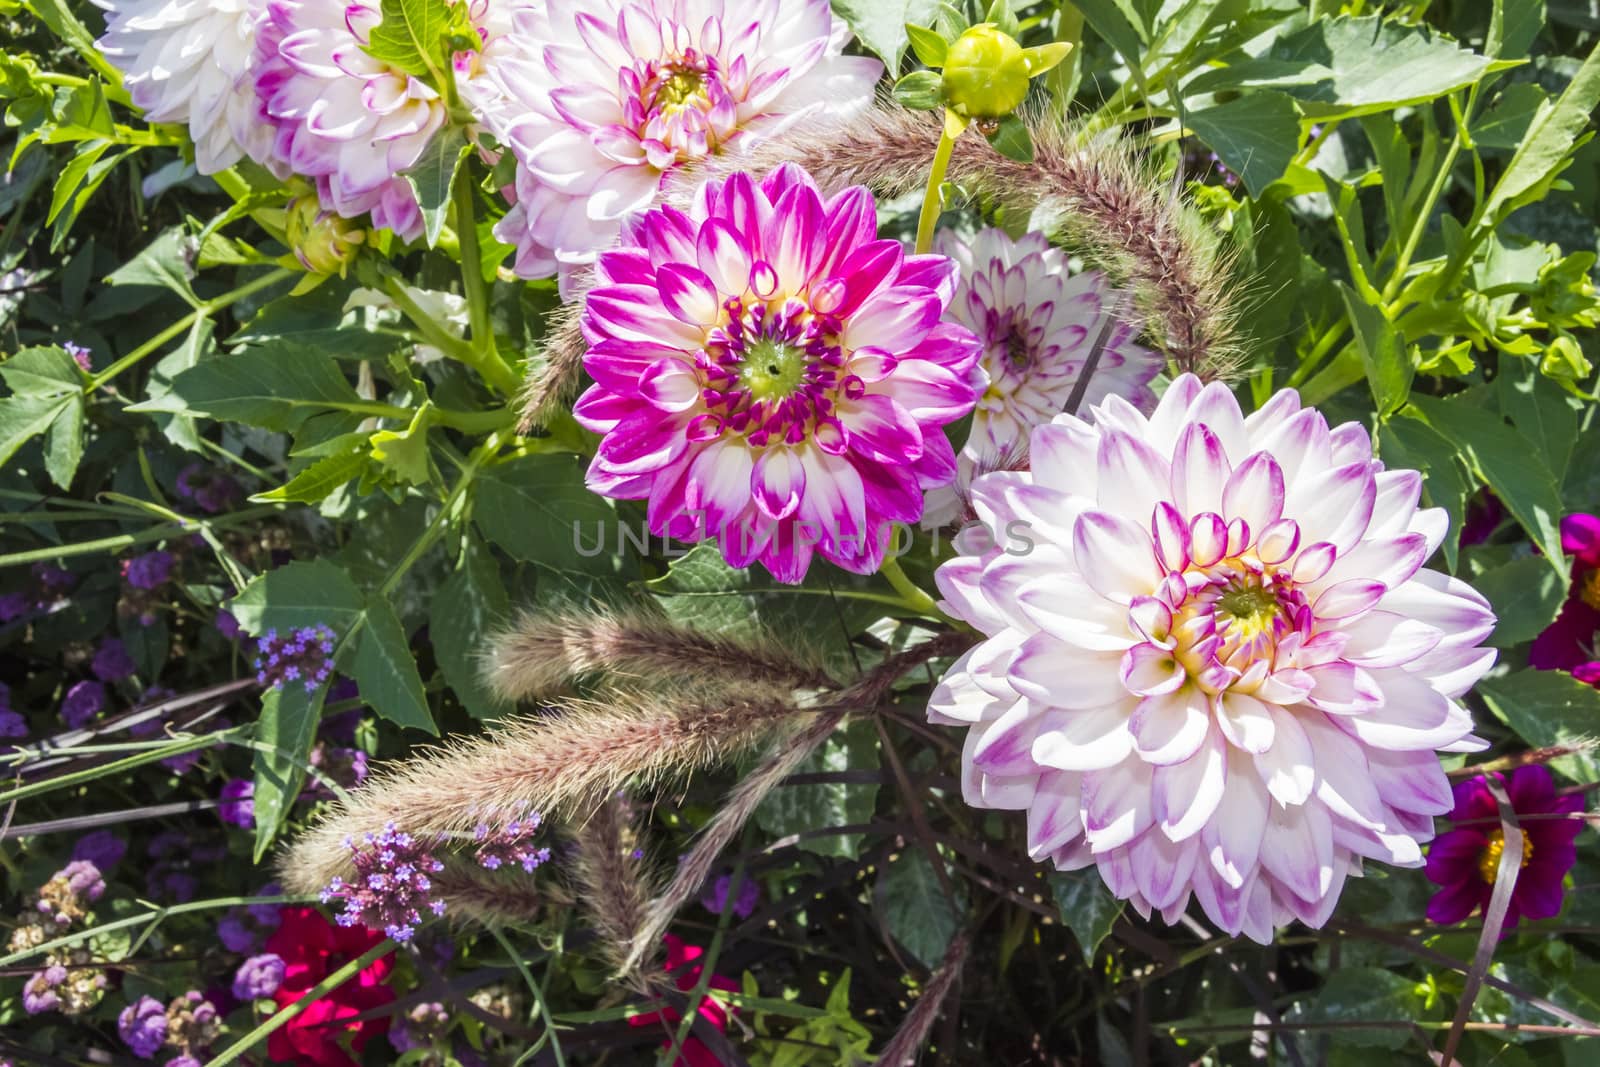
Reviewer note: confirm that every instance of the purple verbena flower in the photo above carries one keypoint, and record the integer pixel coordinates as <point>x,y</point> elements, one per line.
<point>79,354</point>
<point>143,1027</point>
<point>259,976</point>
<point>148,571</point>
<point>237,804</point>
<point>83,704</point>
<point>715,897</point>
<point>304,656</point>
<point>212,491</point>
<point>102,848</point>
<point>391,888</point>
<point>511,844</point>
<point>111,661</point>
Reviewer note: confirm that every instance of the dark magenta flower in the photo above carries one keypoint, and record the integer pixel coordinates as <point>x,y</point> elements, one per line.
<point>685,974</point>
<point>770,374</point>
<point>311,949</point>
<point>1569,641</point>
<point>1464,861</point>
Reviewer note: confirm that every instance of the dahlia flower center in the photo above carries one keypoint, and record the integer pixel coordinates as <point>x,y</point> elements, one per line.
<point>1489,860</point>
<point>1019,353</point>
<point>1231,620</point>
<point>678,85</point>
<point>772,373</point>
<point>1589,588</point>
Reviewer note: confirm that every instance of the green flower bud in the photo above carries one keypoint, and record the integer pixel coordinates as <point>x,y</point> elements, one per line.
<point>323,242</point>
<point>1564,360</point>
<point>985,73</point>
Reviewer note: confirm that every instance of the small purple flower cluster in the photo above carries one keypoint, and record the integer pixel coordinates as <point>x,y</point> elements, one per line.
<point>111,661</point>
<point>303,655</point>
<point>150,571</point>
<point>102,848</point>
<point>50,586</point>
<point>715,897</point>
<point>209,490</point>
<point>237,804</point>
<point>259,976</point>
<point>143,1027</point>
<point>66,897</point>
<point>243,929</point>
<point>178,855</point>
<point>511,844</point>
<point>12,724</point>
<point>83,704</point>
<point>391,887</point>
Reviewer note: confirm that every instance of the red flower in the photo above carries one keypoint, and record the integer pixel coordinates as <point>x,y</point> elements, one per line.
<point>1568,642</point>
<point>694,1052</point>
<point>313,948</point>
<point>1465,860</point>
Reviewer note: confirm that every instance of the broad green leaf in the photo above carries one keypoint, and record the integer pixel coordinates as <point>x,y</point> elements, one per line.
<point>1544,412</point>
<point>794,809</point>
<point>1526,597</point>
<point>465,613</point>
<point>408,35</point>
<point>288,725</point>
<point>23,418</point>
<point>63,442</point>
<point>296,595</point>
<point>880,25</point>
<point>1408,442</point>
<point>538,509</point>
<point>1506,123</point>
<point>386,670</point>
<point>1118,24</point>
<point>1364,994</point>
<point>276,386</point>
<point>181,429</point>
<point>42,371</point>
<point>164,262</point>
<point>1550,708</point>
<point>432,177</point>
<point>1554,131</point>
<point>1012,140</point>
<point>921,90</point>
<point>1087,907</point>
<point>404,453</point>
<point>1513,25</point>
<point>1254,135</point>
<point>915,908</point>
<point>316,482</point>
<point>931,49</point>
<point>1383,353</point>
<point>1347,66</point>
<point>1509,463</point>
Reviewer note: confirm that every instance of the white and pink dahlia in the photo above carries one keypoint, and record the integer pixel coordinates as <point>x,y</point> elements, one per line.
<point>351,121</point>
<point>189,62</point>
<point>1221,669</point>
<point>1037,322</point>
<point>769,373</point>
<point>602,98</point>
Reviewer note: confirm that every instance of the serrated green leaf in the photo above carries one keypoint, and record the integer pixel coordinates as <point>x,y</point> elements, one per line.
<point>276,386</point>
<point>288,726</point>
<point>316,482</point>
<point>1254,135</point>
<point>931,49</point>
<point>296,595</point>
<point>63,442</point>
<point>1552,134</point>
<point>1541,410</point>
<point>42,371</point>
<point>794,809</point>
<point>164,262</point>
<point>538,509</point>
<point>408,36</point>
<point>386,670</point>
<point>433,176</point>
<point>404,453</point>
<point>1526,596</point>
<point>23,418</point>
<point>1548,708</point>
<point>915,908</point>
<point>1087,907</point>
<point>469,607</point>
<point>1508,463</point>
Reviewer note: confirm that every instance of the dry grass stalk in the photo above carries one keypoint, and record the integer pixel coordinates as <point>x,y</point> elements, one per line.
<point>542,654</point>
<point>913,1033</point>
<point>558,765</point>
<point>495,898</point>
<point>610,873</point>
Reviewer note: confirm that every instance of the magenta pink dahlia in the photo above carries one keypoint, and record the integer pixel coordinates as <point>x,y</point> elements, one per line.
<point>599,99</point>
<point>769,373</point>
<point>351,121</point>
<point>1214,664</point>
<point>1465,860</point>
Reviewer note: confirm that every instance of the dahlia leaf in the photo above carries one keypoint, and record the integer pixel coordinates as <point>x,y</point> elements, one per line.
<point>1253,135</point>
<point>165,262</point>
<point>286,731</point>
<point>1364,994</point>
<point>299,594</point>
<point>410,36</point>
<point>1552,135</point>
<point>42,371</point>
<point>1550,708</point>
<point>1012,140</point>
<point>1542,410</point>
<point>1526,596</point>
<point>881,24</point>
<point>466,609</point>
<point>316,482</point>
<point>63,442</point>
<point>1383,353</point>
<point>930,48</point>
<point>537,509</point>
<point>431,179</point>
<point>386,670</point>
<point>915,908</point>
<point>921,90</point>
<point>276,386</point>
<point>23,418</point>
<point>1413,443</point>
<point>1087,907</point>
<point>822,805</point>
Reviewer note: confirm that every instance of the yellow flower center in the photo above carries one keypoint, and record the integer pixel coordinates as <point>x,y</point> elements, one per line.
<point>772,370</point>
<point>1489,862</point>
<point>682,87</point>
<point>1589,588</point>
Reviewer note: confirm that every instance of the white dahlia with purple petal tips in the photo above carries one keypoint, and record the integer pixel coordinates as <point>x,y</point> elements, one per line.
<point>1221,670</point>
<point>1037,323</point>
<point>605,97</point>
<point>769,373</point>
<point>189,62</point>
<point>351,121</point>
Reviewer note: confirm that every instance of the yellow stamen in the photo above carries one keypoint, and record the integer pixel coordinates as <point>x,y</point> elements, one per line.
<point>1589,588</point>
<point>1489,862</point>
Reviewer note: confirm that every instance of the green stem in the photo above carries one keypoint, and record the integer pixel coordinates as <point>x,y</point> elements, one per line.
<point>205,309</point>
<point>910,594</point>
<point>1397,278</point>
<point>121,541</point>
<point>1332,336</point>
<point>442,521</point>
<point>540,1006</point>
<point>932,201</point>
<point>89,774</point>
<point>702,986</point>
<point>486,356</point>
<point>278,1019</point>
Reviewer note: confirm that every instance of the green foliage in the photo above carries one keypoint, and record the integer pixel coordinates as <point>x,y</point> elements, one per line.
<point>1087,907</point>
<point>916,908</point>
